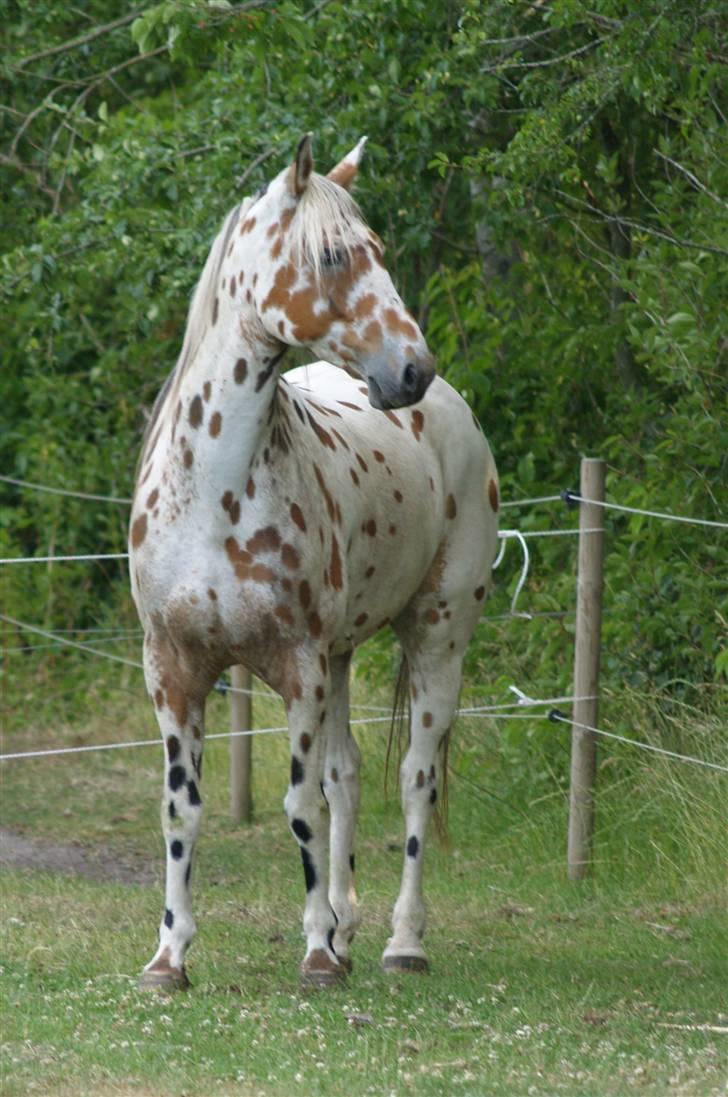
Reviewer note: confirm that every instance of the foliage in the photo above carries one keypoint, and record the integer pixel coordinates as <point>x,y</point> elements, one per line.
<point>550,181</point>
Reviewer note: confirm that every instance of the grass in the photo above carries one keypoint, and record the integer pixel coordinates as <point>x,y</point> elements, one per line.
<point>538,986</point>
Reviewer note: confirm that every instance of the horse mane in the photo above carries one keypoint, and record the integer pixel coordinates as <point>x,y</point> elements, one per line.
<point>200,310</point>
<point>326,216</point>
<point>198,314</point>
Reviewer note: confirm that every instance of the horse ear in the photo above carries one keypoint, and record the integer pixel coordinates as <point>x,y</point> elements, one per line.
<point>345,171</point>
<point>302,166</point>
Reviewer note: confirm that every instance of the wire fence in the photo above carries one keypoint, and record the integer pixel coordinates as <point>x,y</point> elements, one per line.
<point>491,711</point>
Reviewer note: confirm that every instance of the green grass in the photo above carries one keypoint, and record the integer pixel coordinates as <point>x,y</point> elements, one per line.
<point>538,986</point>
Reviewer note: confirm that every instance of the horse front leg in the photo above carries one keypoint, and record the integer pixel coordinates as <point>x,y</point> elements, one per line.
<point>307,814</point>
<point>181,722</point>
<point>341,789</point>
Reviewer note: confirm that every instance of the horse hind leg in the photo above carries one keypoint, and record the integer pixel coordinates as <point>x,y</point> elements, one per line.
<point>181,724</point>
<point>434,692</point>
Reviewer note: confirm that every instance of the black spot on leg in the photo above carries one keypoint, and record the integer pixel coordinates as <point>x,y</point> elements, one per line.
<point>302,830</point>
<point>413,847</point>
<point>177,777</point>
<point>168,918</point>
<point>177,849</point>
<point>188,874</point>
<point>296,771</point>
<point>433,796</point>
<point>172,810</point>
<point>352,862</point>
<point>309,872</point>
<point>194,794</point>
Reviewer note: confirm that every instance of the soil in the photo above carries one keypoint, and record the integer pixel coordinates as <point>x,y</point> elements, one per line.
<point>20,851</point>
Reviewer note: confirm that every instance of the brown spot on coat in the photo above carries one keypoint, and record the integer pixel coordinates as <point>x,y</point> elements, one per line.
<point>247,226</point>
<point>215,311</point>
<point>304,593</point>
<point>431,616</point>
<point>450,506</point>
<point>267,539</point>
<point>139,531</point>
<point>250,488</point>
<point>152,498</point>
<point>206,391</point>
<point>297,517</point>
<point>241,371</point>
<point>337,580</point>
<point>361,619</point>
<point>305,742</point>
<point>290,557</point>
<point>480,593</point>
<point>397,323</point>
<point>493,495</point>
<point>215,425</point>
<point>196,412</point>
<point>418,422</point>
<point>243,565</point>
<point>284,613</point>
<point>330,505</point>
<point>427,719</point>
<point>314,624</point>
<point>188,458</point>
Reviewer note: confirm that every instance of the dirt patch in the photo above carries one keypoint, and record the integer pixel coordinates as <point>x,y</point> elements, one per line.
<point>20,851</point>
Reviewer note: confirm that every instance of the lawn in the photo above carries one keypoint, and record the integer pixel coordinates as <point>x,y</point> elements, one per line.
<point>537,986</point>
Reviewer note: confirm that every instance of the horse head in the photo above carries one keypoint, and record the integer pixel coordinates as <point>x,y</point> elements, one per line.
<point>319,280</point>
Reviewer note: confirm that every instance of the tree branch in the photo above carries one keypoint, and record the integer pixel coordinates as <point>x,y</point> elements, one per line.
<point>693,178</point>
<point>81,40</point>
<point>609,218</point>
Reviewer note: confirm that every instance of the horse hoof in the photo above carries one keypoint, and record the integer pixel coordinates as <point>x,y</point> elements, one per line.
<point>393,965</point>
<point>164,981</point>
<point>318,971</point>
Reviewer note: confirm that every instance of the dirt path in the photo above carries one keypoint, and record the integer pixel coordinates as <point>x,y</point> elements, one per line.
<point>20,851</point>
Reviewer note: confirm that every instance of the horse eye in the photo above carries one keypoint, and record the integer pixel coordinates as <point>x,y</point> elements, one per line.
<point>331,257</point>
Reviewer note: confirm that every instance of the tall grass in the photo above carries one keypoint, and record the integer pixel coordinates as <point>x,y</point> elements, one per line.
<point>537,986</point>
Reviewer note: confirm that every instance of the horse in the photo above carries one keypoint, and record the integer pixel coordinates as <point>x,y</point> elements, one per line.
<point>279,521</point>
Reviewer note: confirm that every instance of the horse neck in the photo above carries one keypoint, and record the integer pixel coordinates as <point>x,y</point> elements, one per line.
<point>223,399</point>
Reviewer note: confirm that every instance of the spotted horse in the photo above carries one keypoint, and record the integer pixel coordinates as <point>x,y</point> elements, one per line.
<point>280,521</point>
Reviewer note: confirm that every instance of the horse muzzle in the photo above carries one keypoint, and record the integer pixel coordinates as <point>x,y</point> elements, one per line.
<point>401,388</point>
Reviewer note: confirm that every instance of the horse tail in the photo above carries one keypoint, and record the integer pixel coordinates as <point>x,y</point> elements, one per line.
<point>401,718</point>
<point>402,721</point>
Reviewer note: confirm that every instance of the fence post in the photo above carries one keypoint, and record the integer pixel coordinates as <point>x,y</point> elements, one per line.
<point>241,747</point>
<point>586,668</point>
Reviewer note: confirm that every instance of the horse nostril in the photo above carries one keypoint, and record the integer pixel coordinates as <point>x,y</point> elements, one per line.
<point>410,377</point>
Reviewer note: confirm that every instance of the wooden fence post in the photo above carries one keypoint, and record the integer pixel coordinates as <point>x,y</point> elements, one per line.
<point>586,668</point>
<point>241,752</point>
